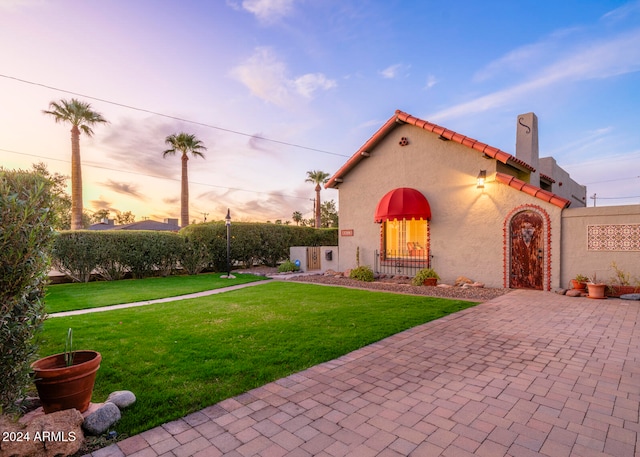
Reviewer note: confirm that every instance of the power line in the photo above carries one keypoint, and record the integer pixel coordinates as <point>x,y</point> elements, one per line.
<point>612,180</point>
<point>101,167</point>
<point>144,110</point>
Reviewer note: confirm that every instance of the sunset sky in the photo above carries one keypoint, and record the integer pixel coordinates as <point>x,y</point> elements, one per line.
<point>275,88</point>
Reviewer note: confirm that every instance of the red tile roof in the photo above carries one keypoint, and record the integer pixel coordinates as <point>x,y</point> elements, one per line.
<point>401,117</point>
<point>532,190</point>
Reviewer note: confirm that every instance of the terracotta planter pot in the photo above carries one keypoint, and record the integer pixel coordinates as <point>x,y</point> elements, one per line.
<point>431,282</point>
<point>61,387</point>
<point>616,291</point>
<point>596,290</point>
<point>578,285</point>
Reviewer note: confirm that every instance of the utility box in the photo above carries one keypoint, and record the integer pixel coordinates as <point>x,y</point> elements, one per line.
<point>328,255</point>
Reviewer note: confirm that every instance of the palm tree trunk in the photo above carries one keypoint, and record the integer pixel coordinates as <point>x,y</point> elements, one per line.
<point>318,205</point>
<point>76,180</point>
<point>184,194</point>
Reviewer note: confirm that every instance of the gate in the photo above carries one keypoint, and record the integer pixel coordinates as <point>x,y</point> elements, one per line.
<point>527,254</point>
<point>313,258</point>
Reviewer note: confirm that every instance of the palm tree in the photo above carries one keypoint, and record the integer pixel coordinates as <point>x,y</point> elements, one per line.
<point>317,177</point>
<point>82,118</point>
<point>184,143</point>
<point>297,217</point>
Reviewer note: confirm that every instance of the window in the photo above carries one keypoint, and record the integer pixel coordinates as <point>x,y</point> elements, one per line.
<point>405,239</point>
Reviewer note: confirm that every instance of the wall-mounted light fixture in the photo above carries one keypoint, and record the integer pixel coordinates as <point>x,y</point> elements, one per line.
<point>481,178</point>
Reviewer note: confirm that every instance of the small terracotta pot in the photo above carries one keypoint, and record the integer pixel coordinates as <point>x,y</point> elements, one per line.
<point>431,282</point>
<point>578,285</point>
<point>61,387</point>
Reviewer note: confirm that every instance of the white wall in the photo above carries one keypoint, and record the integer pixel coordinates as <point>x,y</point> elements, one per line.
<point>300,253</point>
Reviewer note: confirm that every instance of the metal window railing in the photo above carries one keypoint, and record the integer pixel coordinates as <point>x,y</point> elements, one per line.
<point>405,263</point>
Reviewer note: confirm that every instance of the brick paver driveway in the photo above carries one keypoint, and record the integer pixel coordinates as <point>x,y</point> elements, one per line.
<point>529,373</point>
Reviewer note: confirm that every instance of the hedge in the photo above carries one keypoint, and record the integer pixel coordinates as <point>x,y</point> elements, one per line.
<point>256,243</point>
<point>25,242</point>
<point>112,254</point>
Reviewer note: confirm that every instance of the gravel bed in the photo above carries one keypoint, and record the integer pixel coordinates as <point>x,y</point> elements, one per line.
<point>477,294</point>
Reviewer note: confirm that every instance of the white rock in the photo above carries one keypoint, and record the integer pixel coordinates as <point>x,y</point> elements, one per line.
<point>99,422</point>
<point>122,398</point>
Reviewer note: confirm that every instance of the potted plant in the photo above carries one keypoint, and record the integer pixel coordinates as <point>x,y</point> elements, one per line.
<point>579,282</point>
<point>620,283</point>
<point>596,289</point>
<point>66,380</point>
<point>425,277</point>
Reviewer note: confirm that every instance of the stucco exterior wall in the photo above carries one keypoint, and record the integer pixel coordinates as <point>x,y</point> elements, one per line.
<point>579,258</point>
<point>300,253</point>
<point>467,227</point>
<point>563,186</point>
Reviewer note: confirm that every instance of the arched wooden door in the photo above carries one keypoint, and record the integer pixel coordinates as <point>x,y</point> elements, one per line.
<point>527,251</point>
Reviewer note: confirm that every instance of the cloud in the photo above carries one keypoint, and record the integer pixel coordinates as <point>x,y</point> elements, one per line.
<point>124,188</point>
<point>599,60</point>
<point>137,146</point>
<point>266,11</point>
<point>394,71</point>
<point>266,76</point>
<point>431,81</point>
<point>307,84</point>
<point>623,12</point>
<point>101,203</point>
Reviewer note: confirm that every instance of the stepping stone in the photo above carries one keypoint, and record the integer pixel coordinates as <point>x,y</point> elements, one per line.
<point>630,296</point>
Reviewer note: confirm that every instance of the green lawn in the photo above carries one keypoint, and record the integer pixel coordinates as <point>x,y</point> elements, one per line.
<point>68,297</point>
<point>185,355</point>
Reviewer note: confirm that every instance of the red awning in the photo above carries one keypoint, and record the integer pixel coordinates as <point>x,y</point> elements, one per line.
<point>403,203</point>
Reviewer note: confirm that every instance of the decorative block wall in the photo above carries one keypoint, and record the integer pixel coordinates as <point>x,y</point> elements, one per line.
<point>613,237</point>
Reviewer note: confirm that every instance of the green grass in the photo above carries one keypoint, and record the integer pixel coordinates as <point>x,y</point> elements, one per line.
<point>68,297</point>
<point>185,355</point>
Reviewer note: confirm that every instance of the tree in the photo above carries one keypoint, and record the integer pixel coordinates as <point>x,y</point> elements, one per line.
<point>82,118</point>
<point>297,217</point>
<point>61,203</point>
<point>125,218</point>
<point>184,143</point>
<point>317,177</point>
<point>27,212</point>
<point>99,215</point>
<point>329,214</point>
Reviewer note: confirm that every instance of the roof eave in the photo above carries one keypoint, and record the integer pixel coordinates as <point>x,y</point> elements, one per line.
<point>532,190</point>
<point>363,152</point>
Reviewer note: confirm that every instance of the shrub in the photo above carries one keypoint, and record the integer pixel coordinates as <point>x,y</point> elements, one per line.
<point>362,273</point>
<point>25,243</point>
<point>253,242</point>
<point>76,254</point>
<point>288,265</point>
<point>421,275</point>
<point>193,255</point>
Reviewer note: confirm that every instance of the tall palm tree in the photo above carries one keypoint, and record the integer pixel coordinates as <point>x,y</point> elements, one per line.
<point>184,143</point>
<point>82,118</point>
<point>317,177</point>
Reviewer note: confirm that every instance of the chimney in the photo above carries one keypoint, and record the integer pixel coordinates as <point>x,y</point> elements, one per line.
<point>527,144</point>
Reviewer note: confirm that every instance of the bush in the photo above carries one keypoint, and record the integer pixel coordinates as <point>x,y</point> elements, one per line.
<point>362,273</point>
<point>253,242</point>
<point>114,253</point>
<point>25,243</point>
<point>421,275</point>
<point>287,266</point>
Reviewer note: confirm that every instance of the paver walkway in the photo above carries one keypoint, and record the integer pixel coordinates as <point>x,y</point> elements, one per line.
<point>529,373</point>
<point>154,301</point>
